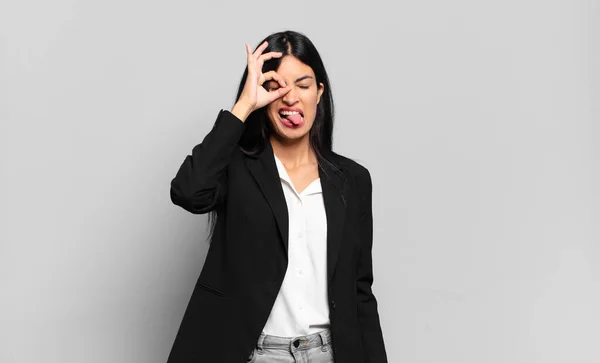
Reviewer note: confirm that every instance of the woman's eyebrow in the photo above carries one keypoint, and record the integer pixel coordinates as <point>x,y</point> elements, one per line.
<point>303,77</point>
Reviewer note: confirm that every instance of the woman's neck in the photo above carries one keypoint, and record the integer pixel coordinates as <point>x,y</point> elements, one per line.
<point>295,153</point>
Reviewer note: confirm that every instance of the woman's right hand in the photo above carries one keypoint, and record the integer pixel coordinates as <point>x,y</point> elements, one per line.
<point>253,95</point>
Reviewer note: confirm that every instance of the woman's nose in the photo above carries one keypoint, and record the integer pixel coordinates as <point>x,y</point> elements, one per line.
<point>290,97</point>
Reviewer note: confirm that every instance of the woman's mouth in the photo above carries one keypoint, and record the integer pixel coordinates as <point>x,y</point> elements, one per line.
<point>291,118</point>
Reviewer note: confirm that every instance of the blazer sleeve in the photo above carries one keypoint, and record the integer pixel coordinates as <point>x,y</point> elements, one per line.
<point>368,316</point>
<point>200,185</point>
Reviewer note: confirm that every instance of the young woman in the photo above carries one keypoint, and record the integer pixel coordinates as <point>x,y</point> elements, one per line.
<point>288,273</point>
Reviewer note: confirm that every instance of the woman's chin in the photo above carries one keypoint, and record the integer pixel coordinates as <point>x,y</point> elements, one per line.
<point>292,133</point>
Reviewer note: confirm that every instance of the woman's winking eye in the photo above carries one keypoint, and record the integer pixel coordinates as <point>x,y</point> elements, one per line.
<point>273,85</point>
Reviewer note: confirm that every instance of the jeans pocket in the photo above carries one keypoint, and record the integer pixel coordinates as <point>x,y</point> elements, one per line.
<point>330,350</point>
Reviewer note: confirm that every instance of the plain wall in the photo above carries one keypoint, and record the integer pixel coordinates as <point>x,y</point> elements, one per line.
<point>478,121</point>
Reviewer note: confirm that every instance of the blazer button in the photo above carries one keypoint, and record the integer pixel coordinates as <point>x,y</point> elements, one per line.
<point>333,304</point>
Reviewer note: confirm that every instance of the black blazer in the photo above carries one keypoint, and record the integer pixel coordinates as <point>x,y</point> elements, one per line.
<point>247,257</point>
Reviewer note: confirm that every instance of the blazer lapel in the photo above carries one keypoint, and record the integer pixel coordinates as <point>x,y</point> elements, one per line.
<point>264,170</point>
<point>334,198</point>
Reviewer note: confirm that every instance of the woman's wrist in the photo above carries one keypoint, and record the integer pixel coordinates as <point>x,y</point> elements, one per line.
<point>241,111</point>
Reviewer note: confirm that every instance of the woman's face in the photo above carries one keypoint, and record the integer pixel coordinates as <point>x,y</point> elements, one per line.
<point>293,115</point>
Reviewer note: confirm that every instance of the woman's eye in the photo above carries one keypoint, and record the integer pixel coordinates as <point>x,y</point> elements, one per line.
<point>304,87</point>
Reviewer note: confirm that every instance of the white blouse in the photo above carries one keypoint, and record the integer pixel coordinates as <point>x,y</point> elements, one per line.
<point>301,306</point>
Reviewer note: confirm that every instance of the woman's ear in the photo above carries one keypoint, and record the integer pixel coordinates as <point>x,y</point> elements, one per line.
<point>320,92</point>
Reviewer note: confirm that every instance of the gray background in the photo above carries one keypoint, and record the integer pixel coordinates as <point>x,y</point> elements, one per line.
<point>477,119</point>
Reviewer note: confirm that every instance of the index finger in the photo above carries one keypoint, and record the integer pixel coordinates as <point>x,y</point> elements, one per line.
<point>260,49</point>
<point>280,92</point>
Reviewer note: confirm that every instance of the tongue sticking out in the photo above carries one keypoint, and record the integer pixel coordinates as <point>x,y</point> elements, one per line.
<point>295,118</point>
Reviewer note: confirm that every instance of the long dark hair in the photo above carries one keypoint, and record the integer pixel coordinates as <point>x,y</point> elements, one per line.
<point>258,128</point>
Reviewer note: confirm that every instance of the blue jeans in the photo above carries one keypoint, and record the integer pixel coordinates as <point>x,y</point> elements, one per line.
<point>313,348</point>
